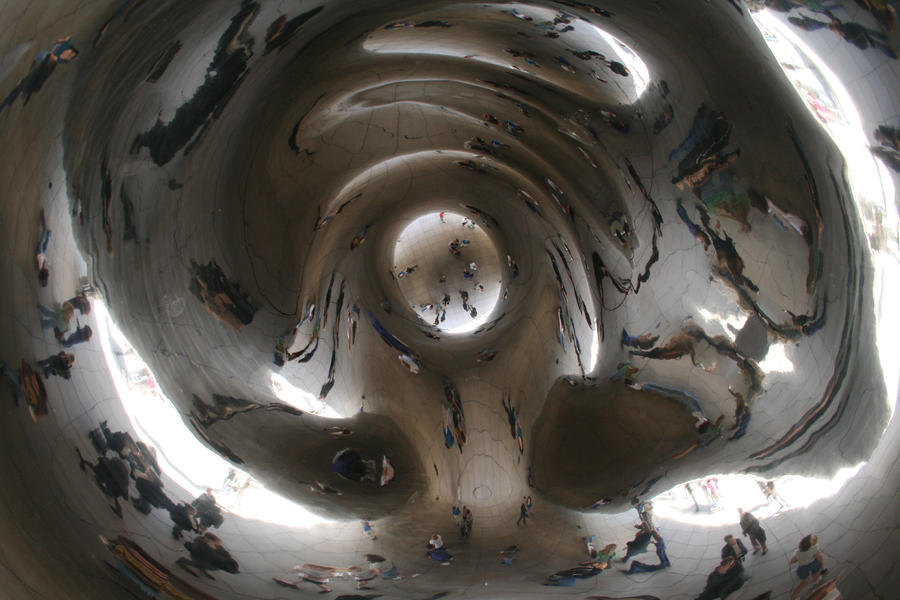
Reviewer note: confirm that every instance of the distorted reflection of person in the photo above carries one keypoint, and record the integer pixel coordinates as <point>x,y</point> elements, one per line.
<point>639,544</point>
<point>769,491</point>
<point>207,553</point>
<point>45,61</point>
<point>645,514</point>
<point>523,515</point>
<point>60,315</point>
<point>508,555</point>
<point>349,464</point>
<point>139,455</point>
<point>711,487</point>
<point>318,575</point>
<point>826,591</point>
<point>604,555</point>
<point>184,518</point>
<point>222,298</point>
<point>369,531</point>
<point>664,563</point>
<point>111,475</point>
<point>150,493</point>
<point>690,490</point>
<point>724,579</point>
<point>59,364</point>
<point>144,570</point>
<point>466,522</point>
<point>584,570</point>
<point>435,549</point>
<point>809,562</point>
<point>81,335</point>
<point>410,363</point>
<point>387,471</point>
<point>41,253</point>
<point>208,512</point>
<point>734,548</point>
<point>234,485</point>
<point>642,342</point>
<point>751,528</point>
<point>337,431</point>
<point>385,567</point>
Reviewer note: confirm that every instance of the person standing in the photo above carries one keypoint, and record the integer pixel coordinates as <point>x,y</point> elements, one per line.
<point>369,531</point>
<point>712,487</point>
<point>734,548</point>
<point>690,491</point>
<point>58,364</point>
<point>809,560</point>
<point>465,529</point>
<point>523,515</point>
<point>772,494</point>
<point>751,528</point>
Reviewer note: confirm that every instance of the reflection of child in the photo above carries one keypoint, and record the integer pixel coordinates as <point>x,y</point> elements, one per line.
<point>368,531</point>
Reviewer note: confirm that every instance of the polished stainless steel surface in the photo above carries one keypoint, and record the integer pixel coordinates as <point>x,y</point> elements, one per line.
<point>337,269</point>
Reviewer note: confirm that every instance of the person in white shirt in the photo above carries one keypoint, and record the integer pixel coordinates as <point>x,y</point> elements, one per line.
<point>810,560</point>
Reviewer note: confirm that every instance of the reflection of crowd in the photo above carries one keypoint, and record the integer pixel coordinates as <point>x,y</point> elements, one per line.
<point>122,459</point>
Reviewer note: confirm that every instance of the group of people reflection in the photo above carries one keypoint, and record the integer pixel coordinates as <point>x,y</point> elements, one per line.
<point>122,460</point>
<point>60,317</point>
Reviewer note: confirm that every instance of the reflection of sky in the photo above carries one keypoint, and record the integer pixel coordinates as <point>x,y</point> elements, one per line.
<point>640,75</point>
<point>301,399</point>
<point>743,491</point>
<point>183,458</point>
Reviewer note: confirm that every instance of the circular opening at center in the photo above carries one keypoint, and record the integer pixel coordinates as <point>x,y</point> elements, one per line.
<point>448,270</point>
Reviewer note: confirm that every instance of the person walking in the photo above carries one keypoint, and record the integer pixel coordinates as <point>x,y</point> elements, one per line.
<point>809,561</point>
<point>751,528</point>
<point>772,494</point>
<point>465,528</point>
<point>523,515</point>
